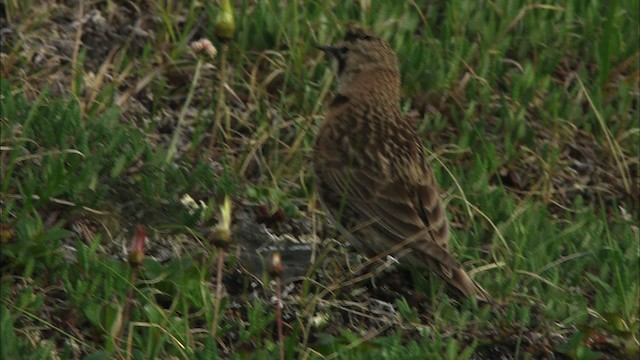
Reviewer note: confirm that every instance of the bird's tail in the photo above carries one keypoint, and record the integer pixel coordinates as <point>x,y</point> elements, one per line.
<point>460,280</point>
<point>449,269</point>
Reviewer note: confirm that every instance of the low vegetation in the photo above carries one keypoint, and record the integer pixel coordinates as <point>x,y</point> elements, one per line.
<point>110,121</point>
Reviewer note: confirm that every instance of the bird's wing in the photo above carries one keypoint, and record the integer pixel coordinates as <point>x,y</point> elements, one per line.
<point>395,211</point>
<point>426,199</point>
<point>389,206</point>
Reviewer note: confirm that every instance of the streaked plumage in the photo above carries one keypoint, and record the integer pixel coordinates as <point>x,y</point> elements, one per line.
<point>371,168</point>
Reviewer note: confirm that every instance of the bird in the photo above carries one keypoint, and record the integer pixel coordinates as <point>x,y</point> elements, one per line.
<point>371,169</point>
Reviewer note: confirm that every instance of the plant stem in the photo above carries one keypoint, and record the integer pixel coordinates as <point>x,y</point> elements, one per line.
<point>176,134</point>
<point>216,304</point>
<point>279,317</point>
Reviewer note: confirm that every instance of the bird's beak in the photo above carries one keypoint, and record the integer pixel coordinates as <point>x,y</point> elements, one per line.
<point>329,50</point>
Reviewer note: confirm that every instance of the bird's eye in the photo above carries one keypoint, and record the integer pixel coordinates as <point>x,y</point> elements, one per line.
<point>344,50</point>
<point>357,34</point>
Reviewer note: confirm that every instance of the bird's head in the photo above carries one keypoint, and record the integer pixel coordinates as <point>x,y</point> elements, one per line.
<point>360,53</point>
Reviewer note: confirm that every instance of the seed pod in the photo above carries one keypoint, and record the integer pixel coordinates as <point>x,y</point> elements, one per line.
<point>220,235</point>
<point>225,25</point>
<point>277,267</point>
<point>136,253</point>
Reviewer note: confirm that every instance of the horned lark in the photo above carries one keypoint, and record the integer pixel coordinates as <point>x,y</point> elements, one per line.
<point>371,169</point>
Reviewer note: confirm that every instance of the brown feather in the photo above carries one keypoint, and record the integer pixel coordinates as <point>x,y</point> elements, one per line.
<point>371,169</point>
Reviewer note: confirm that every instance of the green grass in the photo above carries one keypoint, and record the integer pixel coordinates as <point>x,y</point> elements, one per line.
<point>530,110</point>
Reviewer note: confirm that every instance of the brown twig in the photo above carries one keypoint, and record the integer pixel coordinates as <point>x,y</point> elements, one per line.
<point>279,317</point>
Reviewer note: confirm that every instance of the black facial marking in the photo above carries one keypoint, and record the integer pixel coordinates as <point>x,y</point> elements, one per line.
<point>342,63</point>
<point>339,53</point>
<point>339,100</point>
